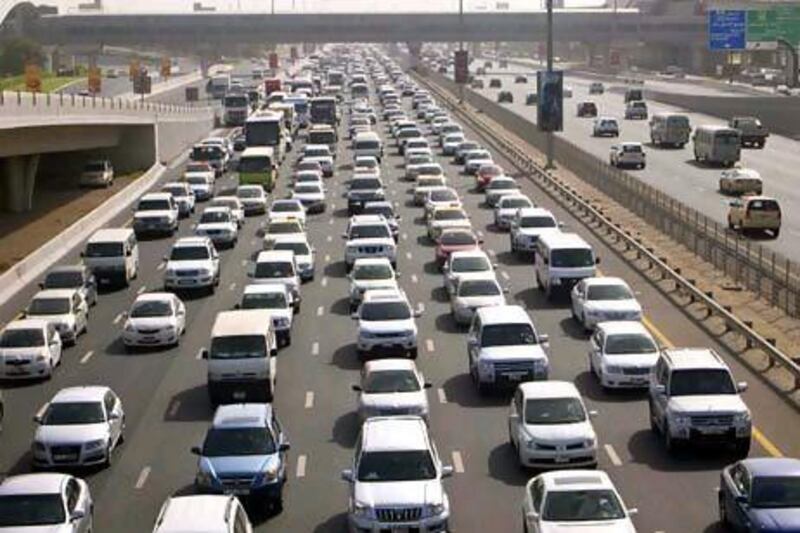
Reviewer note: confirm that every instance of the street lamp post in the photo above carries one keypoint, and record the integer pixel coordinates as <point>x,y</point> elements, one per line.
<point>272,8</point>
<point>550,148</point>
<point>461,46</point>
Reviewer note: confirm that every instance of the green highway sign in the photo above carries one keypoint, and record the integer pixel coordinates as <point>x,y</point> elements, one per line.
<point>765,26</point>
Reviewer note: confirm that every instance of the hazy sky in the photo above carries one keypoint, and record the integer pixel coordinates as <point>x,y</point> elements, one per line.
<point>369,6</point>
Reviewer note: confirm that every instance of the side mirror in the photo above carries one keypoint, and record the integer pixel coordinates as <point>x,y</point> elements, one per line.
<point>77,514</point>
<point>196,450</point>
<point>128,253</point>
<point>593,412</point>
<point>165,258</point>
<point>347,475</point>
<point>37,419</point>
<point>447,471</point>
<point>417,313</point>
<point>427,385</point>
<point>506,290</point>
<point>633,511</point>
<point>356,388</point>
<point>237,306</point>
<point>284,447</point>
<point>354,316</point>
<point>741,386</point>
<point>661,389</point>
<point>596,260</point>
<point>41,285</point>
<point>273,352</point>
<point>204,353</point>
<point>532,515</point>
<point>544,339</point>
<point>546,261</point>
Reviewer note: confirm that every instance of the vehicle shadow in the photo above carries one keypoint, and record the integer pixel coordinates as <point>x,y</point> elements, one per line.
<point>334,524</point>
<point>432,267</point>
<point>424,240</point>
<point>190,405</point>
<point>345,429</point>
<point>341,307</point>
<point>341,213</point>
<point>336,269</point>
<point>573,329</point>
<point>439,294</point>
<point>446,324</point>
<point>646,447</point>
<point>531,298</point>
<point>590,388</point>
<point>510,258</point>
<point>504,466</point>
<point>460,390</point>
<point>346,357</point>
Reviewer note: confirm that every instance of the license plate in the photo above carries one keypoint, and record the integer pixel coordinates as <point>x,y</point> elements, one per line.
<point>713,430</point>
<point>186,282</point>
<point>238,492</point>
<point>560,459</point>
<point>239,395</point>
<point>65,457</point>
<point>104,281</point>
<point>16,371</point>
<point>516,376</point>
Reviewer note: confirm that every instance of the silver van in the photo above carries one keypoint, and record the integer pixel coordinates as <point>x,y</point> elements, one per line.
<point>561,260</point>
<point>112,255</point>
<point>672,129</point>
<point>368,143</point>
<point>717,145</point>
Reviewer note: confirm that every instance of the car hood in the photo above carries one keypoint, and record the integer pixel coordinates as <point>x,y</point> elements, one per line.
<point>496,192</point>
<point>606,526</point>
<point>189,265</point>
<point>449,248</point>
<point>378,241</point>
<point>393,399</point>
<point>152,213</point>
<point>400,493</point>
<point>613,305</point>
<point>71,434</point>
<point>308,195</point>
<point>507,211</point>
<point>386,326</point>
<point>216,226</point>
<point>239,464</point>
<point>151,322</point>
<point>56,319</point>
<point>253,201</point>
<point>707,404</point>
<point>57,528</point>
<point>510,353</point>
<point>367,284</point>
<point>632,359</point>
<point>774,520</point>
<point>560,432</point>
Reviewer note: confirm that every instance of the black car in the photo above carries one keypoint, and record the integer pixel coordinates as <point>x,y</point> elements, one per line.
<point>531,98</point>
<point>239,142</point>
<point>521,79</point>
<point>77,277</point>
<point>505,97</point>
<point>587,109</point>
<point>495,83</point>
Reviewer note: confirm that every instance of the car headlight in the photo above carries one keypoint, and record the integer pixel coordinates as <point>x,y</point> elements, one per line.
<point>486,366</point>
<point>95,444</point>
<point>281,322</point>
<point>555,281</point>
<point>613,369</point>
<point>170,327</point>
<point>361,509</point>
<point>742,418</point>
<point>409,333</point>
<point>540,363</point>
<point>129,327</point>
<point>681,420</point>
<point>366,335</point>
<point>270,473</point>
<point>39,446</point>
<point>435,509</point>
<point>40,358</point>
<point>589,443</point>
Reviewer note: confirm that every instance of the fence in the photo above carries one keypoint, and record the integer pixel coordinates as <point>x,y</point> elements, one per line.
<point>772,276</point>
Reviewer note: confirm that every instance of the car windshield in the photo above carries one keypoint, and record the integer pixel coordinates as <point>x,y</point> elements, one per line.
<point>388,381</point>
<point>554,411</point>
<point>299,248</point>
<point>284,227</point>
<point>176,190</point>
<point>763,205</point>
<point>316,152</point>
<point>478,155</point>
<point>196,180</point>
<point>238,347</point>
<point>691,382</point>
<point>608,292</point>
<point>419,159</point>
<point>309,166</point>
<point>479,287</point>
<point>213,217</point>
<point>49,306</point>
<point>96,166</point>
<point>20,510</point>
<point>629,343</point>
<point>360,184</point>
<point>238,441</point>
<point>470,264</point>
<point>63,280</point>
<point>571,257</point>
<point>582,506</point>
<point>491,170</point>
<point>21,338</point>
<point>457,238</point>
<point>537,222</point>
<point>375,311</point>
<point>443,195</point>
<point>465,146</point>
<point>188,253</point>
<point>773,492</point>
<point>371,231</point>
<point>153,205</point>
<point>502,184</point>
<point>434,170</point>
<point>268,300</point>
<point>514,203</point>
<point>307,189</point>
<point>373,272</point>
<point>386,211</point>
<point>73,413</point>
<point>274,269</point>
<point>249,193</point>
<point>449,214</point>
<point>507,335</point>
<point>151,308</point>
<point>197,167</point>
<point>104,249</point>
<point>286,207</point>
<point>406,465</point>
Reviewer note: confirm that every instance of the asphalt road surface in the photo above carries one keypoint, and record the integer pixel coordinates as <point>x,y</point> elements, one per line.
<point>167,409</point>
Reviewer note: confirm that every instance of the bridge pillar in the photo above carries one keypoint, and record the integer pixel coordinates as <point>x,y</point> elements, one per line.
<point>19,179</point>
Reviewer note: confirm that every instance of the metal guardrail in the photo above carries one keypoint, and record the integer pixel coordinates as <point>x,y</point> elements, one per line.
<point>557,187</point>
<point>20,100</point>
<point>767,273</point>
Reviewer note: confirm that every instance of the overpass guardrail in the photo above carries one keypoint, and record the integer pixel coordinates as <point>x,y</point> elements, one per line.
<point>711,241</point>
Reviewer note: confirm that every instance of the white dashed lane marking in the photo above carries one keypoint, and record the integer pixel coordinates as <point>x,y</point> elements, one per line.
<point>430,346</point>
<point>315,349</point>
<point>142,479</point>
<point>325,282</point>
<point>505,275</point>
<point>88,355</point>
<point>301,466</point>
<point>320,310</point>
<point>118,318</point>
<point>232,286</point>
<point>612,455</point>
<point>442,395</point>
<point>141,289</point>
<point>161,266</point>
<point>199,354</point>
<point>309,403</point>
<point>414,278</point>
<point>458,462</point>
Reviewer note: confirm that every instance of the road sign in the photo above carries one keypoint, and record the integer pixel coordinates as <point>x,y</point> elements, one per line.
<point>461,66</point>
<point>133,69</point>
<point>550,109</point>
<point>166,67</point>
<point>727,29</point>
<point>766,26</point>
<point>273,60</point>
<point>95,80</point>
<point>33,78</point>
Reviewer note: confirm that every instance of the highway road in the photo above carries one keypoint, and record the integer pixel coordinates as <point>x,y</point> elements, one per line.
<point>167,409</point>
<point>122,85</point>
<point>671,170</point>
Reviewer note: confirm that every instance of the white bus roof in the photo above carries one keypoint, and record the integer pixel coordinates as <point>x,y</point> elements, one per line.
<point>258,151</point>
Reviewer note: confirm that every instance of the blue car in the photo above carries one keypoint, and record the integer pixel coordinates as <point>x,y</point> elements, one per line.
<point>244,454</point>
<point>761,495</point>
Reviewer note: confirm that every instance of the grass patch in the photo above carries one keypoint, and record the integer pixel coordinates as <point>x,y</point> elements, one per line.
<point>50,82</point>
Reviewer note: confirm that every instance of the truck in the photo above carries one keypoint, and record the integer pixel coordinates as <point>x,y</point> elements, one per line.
<point>271,85</point>
<point>752,131</point>
<point>324,111</point>
<point>335,77</point>
<point>236,108</point>
<point>218,85</point>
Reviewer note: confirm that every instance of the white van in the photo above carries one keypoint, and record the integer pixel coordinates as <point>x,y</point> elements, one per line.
<point>241,357</point>
<point>717,145</point>
<point>278,266</point>
<point>112,255</point>
<point>561,260</point>
<point>368,143</point>
<point>671,129</point>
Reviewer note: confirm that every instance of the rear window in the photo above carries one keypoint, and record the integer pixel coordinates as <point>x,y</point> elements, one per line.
<point>763,205</point>
<point>632,148</point>
<point>104,249</point>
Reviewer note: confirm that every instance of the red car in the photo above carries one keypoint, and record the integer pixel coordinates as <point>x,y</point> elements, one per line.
<point>455,240</point>
<point>486,173</point>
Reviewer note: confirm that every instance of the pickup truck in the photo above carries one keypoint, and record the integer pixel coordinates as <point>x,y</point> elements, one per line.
<point>753,133</point>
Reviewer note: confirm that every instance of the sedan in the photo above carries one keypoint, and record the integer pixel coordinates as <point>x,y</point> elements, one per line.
<point>391,387</point>
<point>455,240</point>
<point>472,294</point>
<point>600,299</point>
<point>64,308</point>
<point>622,354</point>
<point>485,174</point>
<point>80,426</point>
<point>45,502</point>
<point>155,319</point>
<point>499,187</point>
<point>311,195</point>
<point>507,207</point>
<point>78,277</point>
<point>291,209</point>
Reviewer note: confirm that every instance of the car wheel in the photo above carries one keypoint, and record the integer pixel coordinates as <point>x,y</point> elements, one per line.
<point>413,353</point>
<point>669,443</point>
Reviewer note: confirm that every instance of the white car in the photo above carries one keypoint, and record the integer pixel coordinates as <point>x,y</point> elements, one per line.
<point>369,274</point>
<point>218,224</point>
<point>80,426</point>
<point>234,204</point>
<point>367,164</point>
<point>386,324</point>
<point>585,500</point>
<point>156,213</point>
<point>29,349</point>
<point>202,185</point>
<point>415,163</point>
<point>278,266</point>
<point>471,264</point>
<point>450,143</point>
<point>391,387</point>
<point>282,227</point>
<point>740,181</point>
<point>549,426</point>
<point>253,198</point>
<point>66,309</point>
<point>57,503</point>
<point>311,195</point>
<point>425,184</point>
<point>600,299</point>
<point>277,299</point>
<point>443,218</point>
<point>438,197</point>
<point>193,263</point>
<point>527,225</point>
<point>287,209</point>
<point>605,126</point>
<point>627,154</point>
<point>183,195</point>
<point>396,471</point>
<point>304,253</point>
<point>97,173</point>
<point>217,513</point>
<point>622,354</point>
<point>307,176</point>
<point>507,207</point>
<point>474,159</point>
<point>412,153</point>
<point>498,187</point>
<point>325,162</point>
<point>369,236</point>
<point>472,294</point>
<point>155,319</point>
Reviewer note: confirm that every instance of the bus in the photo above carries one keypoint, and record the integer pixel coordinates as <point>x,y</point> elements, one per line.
<point>323,111</point>
<point>236,108</point>
<point>257,166</point>
<point>218,85</point>
<point>266,129</point>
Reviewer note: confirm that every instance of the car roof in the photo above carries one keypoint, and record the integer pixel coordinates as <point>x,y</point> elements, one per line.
<point>275,255</point>
<point>367,219</point>
<point>773,466</point>
<point>156,196</point>
<point>287,201</point>
<point>192,514</point>
<point>217,209</point>
<point>68,268</point>
<point>390,433</point>
<point>469,253</point>
<point>289,237</point>
<point>535,212</point>
<point>392,363</point>
<point>384,295</point>
<point>37,483</point>
<point>111,234</point>
<point>27,323</point>
<point>559,239</point>
<point>503,314</point>
<point>90,393</point>
<point>242,415</point>
<point>549,389</point>
<point>55,293</point>
<point>604,280</point>
<point>693,358</point>
<point>191,241</point>
<point>514,196</point>
<point>623,327</point>
<point>570,480</point>
<point>365,261</point>
<point>241,322</point>
<point>154,297</point>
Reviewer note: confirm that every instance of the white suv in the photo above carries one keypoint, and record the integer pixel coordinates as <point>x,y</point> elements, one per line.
<point>368,274</point>
<point>210,513</point>
<point>526,226</point>
<point>391,387</point>
<point>694,399</point>
<point>622,354</point>
<point>193,263</point>
<point>156,212</point>
<point>386,324</point>
<point>369,236</point>
<point>396,478</point>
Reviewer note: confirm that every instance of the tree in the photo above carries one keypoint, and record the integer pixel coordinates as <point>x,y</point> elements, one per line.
<point>16,52</point>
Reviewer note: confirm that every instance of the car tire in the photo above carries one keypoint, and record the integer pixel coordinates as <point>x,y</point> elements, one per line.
<point>723,512</point>
<point>413,353</point>
<point>742,448</point>
<point>776,233</point>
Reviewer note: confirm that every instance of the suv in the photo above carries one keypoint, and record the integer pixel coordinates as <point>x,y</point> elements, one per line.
<point>586,109</point>
<point>369,236</point>
<point>605,126</point>
<point>156,213</point>
<point>244,453</point>
<point>386,323</point>
<point>636,110</point>
<point>504,348</point>
<point>694,399</point>
<point>363,189</point>
<point>98,173</point>
<point>627,154</point>
<point>753,133</point>
<point>505,97</point>
<point>213,513</point>
<point>755,213</point>
<point>275,298</point>
<point>77,277</point>
<point>370,273</point>
<point>396,478</point>
<point>527,225</point>
<point>193,263</point>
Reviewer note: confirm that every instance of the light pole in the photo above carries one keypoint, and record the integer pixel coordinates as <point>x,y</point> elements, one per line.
<point>272,8</point>
<point>461,46</point>
<point>550,165</point>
